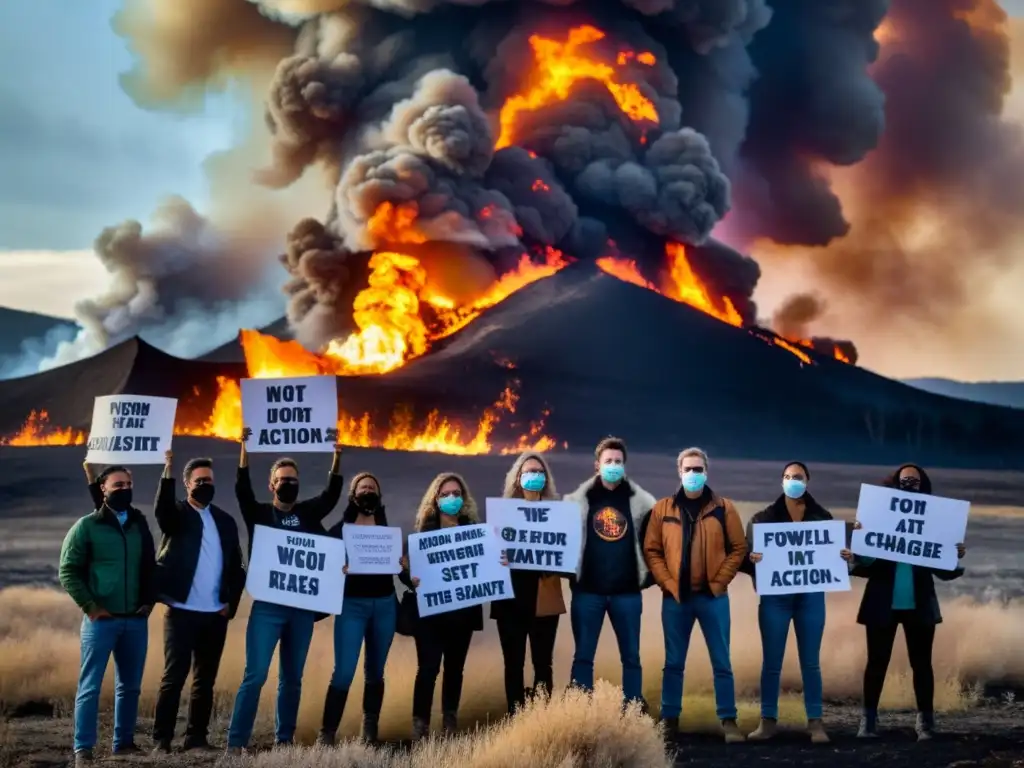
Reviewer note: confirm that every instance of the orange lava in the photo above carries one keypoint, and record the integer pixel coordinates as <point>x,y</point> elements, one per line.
<point>559,66</point>
<point>837,353</point>
<point>686,287</point>
<point>395,223</point>
<point>38,431</point>
<point>804,357</point>
<point>624,269</point>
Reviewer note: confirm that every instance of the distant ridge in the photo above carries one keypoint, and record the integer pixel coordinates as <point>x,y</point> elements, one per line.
<point>1006,393</point>
<point>18,326</point>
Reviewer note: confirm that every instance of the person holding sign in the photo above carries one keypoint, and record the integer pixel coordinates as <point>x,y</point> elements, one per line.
<point>695,546</point>
<point>804,610</point>
<point>612,568</point>
<point>106,567</point>
<point>444,636</point>
<point>270,623</point>
<point>368,615</point>
<point>534,611</point>
<point>900,594</point>
<point>201,578</point>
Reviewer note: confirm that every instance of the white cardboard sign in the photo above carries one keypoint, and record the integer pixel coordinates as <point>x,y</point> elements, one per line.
<point>537,535</point>
<point>372,549</point>
<point>801,557</point>
<point>301,570</point>
<point>131,429</point>
<point>294,415</point>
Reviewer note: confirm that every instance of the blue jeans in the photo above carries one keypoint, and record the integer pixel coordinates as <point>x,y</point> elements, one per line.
<point>677,619</point>
<point>127,639</point>
<point>587,614</point>
<point>269,625</point>
<point>363,618</point>
<point>807,612</point>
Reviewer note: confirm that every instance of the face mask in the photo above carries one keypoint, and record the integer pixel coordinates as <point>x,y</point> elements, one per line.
<point>203,494</point>
<point>450,505</point>
<point>287,493</point>
<point>693,482</point>
<point>532,481</point>
<point>910,484</point>
<point>794,489</point>
<point>119,500</point>
<point>368,500</point>
<point>612,473</point>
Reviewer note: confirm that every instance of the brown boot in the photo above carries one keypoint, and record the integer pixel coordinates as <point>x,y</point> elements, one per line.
<point>766,729</point>
<point>817,731</point>
<point>732,732</point>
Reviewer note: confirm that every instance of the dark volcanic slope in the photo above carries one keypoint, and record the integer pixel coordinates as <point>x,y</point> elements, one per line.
<point>18,326</point>
<point>1008,393</point>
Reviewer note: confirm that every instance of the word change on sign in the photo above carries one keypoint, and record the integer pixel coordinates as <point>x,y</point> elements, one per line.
<point>912,528</point>
<point>301,570</point>
<point>131,429</point>
<point>538,535</point>
<point>372,548</point>
<point>290,415</point>
<point>457,567</point>
<point>800,557</point>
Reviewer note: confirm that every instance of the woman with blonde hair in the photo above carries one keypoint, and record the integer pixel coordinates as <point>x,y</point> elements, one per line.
<point>443,636</point>
<point>534,611</point>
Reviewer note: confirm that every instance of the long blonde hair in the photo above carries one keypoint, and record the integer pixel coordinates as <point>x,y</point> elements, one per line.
<point>428,506</point>
<point>515,491</point>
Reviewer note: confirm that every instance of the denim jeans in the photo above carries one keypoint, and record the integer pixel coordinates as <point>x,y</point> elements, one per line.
<point>807,612</point>
<point>369,619</point>
<point>127,639</point>
<point>587,617</point>
<point>677,619</point>
<point>269,625</point>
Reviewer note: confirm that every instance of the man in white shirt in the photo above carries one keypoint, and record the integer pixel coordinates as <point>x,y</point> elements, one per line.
<point>200,577</point>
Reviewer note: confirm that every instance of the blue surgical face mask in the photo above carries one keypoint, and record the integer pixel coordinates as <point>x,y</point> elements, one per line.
<point>693,482</point>
<point>450,505</point>
<point>532,481</point>
<point>612,473</point>
<point>794,489</point>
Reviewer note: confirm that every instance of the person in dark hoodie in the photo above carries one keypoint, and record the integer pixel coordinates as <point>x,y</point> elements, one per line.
<point>269,623</point>
<point>106,566</point>
<point>805,611</point>
<point>200,577</point>
<point>368,616</point>
<point>900,594</point>
<point>612,570</point>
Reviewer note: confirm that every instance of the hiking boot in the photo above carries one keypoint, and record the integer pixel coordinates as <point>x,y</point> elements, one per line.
<point>162,749</point>
<point>373,699</point>
<point>449,723</point>
<point>420,728</point>
<point>670,728</point>
<point>334,708</point>
<point>765,730</point>
<point>127,750</point>
<point>83,757</point>
<point>817,731</point>
<point>868,726</point>
<point>925,726</point>
<point>732,732</point>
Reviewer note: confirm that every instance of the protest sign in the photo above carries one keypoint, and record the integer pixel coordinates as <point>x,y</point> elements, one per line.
<point>538,535</point>
<point>800,557</point>
<point>457,567</point>
<point>131,429</point>
<point>913,528</point>
<point>372,548</point>
<point>301,570</point>
<point>296,415</point>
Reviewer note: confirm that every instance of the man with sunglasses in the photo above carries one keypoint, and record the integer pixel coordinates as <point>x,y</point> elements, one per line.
<point>694,546</point>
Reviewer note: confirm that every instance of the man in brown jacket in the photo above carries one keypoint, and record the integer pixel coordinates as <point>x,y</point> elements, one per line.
<point>694,546</point>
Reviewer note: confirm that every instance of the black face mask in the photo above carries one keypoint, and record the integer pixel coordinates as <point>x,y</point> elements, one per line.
<point>910,484</point>
<point>203,494</point>
<point>287,493</point>
<point>119,500</point>
<point>368,501</point>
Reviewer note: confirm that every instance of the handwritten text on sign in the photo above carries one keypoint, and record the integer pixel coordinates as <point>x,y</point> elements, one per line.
<point>457,567</point>
<point>912,528</point>
<point>801,557</point>
<point>537,535</point>
<point>300,570</point>
<point>372,548</point>
<point>131,429</point>
<point>294,415</point>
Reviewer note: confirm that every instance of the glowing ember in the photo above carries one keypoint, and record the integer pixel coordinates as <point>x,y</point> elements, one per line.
<point>804,357</point>
<point>540,186</point>
<point>559,66</point>
<point>37,431</point>
<point>395,224</point>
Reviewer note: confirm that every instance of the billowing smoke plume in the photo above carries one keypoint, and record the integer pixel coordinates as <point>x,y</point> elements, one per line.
<point>795,318</point>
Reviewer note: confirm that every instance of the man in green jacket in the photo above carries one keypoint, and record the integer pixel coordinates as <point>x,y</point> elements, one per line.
<point>106,566</point>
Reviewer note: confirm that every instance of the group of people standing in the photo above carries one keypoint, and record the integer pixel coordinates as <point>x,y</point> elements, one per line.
<point>691,545</point>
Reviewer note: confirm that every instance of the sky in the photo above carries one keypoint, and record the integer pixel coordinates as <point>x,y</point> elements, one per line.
<point>77,154</point>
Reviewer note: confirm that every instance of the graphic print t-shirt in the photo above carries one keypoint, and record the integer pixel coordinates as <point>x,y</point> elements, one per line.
<point>609,559</point>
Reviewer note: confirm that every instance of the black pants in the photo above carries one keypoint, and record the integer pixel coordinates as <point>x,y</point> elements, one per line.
<point>436,642</point>
<point>513,632</point>
<point>191,640</point>
<point>920,637</point>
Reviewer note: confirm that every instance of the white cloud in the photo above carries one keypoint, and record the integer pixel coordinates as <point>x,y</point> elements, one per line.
<point>49,282</point>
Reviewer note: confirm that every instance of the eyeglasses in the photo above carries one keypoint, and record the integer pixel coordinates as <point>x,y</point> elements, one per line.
<point>695,470</point>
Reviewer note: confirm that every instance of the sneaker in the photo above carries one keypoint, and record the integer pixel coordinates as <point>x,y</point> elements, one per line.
<point>83,757</point>
<point>868,727</point>
<point>817,731</point>
<point>765,730</point>
<point>670,727</point>
<point>127,750</point>
<point>162,749</point>
<point>925,726</point>
<point>732,732</point>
